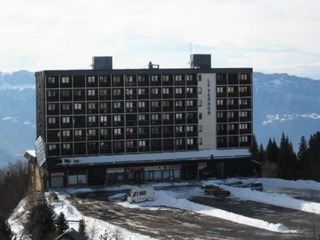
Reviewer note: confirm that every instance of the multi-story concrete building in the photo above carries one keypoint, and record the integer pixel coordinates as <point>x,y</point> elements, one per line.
<point>106,126</point>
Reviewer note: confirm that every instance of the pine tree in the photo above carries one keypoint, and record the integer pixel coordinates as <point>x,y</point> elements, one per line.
<point>5,230</point>
<point>287,160</point>
<point>62,224</point>
<point>82,227</point>
<point>40,223</point>
<point>255,149</point>
<point>303,158</point>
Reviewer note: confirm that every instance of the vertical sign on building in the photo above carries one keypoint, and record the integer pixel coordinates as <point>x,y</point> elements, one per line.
<point>207,111</point>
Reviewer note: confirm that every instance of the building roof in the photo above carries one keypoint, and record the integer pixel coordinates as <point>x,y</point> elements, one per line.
<point>72,235</point>
<point>158,157</point>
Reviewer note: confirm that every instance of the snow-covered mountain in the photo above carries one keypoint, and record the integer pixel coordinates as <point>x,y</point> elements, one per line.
<point>282,103</point>
<point>17,114</point>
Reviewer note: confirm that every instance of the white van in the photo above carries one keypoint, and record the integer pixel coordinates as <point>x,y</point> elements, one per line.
<point>141,194</point>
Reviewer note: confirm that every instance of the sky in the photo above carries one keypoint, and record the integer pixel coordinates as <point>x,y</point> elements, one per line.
<point>271,36</point>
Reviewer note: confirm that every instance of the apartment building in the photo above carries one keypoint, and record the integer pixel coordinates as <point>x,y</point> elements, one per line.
<point>106,126</point>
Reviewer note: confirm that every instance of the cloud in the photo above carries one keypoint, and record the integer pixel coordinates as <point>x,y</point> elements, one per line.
<point>42,34</point>
<point>288,117</point>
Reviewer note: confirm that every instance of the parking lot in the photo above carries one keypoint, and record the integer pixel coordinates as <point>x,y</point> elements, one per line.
<point>180,224</point>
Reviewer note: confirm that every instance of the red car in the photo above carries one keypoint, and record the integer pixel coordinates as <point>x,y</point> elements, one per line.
<point>216,191</point>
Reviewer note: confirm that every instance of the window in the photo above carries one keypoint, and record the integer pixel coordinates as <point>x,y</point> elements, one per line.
<point>65,93</point>
<point>117,92</point>
<point>243,101</point>
<point>142,117</point>
<point>92,106</point>
<point>155,117</point>
<point>189,128</point>
<point>129,144</point>
<point>103,132</point>
<point>243,139</point>
<point>52,147</point>
<point>52,120</point>
<point>154,91</point>
<point>103,106</point>
<point>200,128</point>
<point>243,114</point>
<point>91,119</point>
<point>190,103</point>
<point>243,89</point>
<point>78,133</point>
<point>178,78</point>
<point>165,78</point>
<point>91,79</point>
<point>154,78</point>
<point>65,80</point>
<point>142,104</point>
<point>231,127</point>
<point>65,119</point>
<point>154,103</point>
<point>129,91</point>
<point>142,143</point>
<point>243,77</point>
<point>77,93</point>
<point>166,91</point>
<point>103,92</point>
<point>220,115</point>
<point>117,105</point>
<point>179,103</point>
<point>220,102</point>
<point>129,79</point>
<point>188,78</point>
<point>51,93</point>
<point>230,114</point>
<point>116,79</point>
<point>129,104</point>
<point>117,118</point>
<point>51,80</point>
<point>117,131</point>
<point>179,129</point>
<point>66,133</point>
<point>200,115</point>
<point>129,130</point>
<point>51,107</point>
<point>189,90</point>
<point>142,91</point>
<point>103,119</point>
<point>77,106</point>
<point>166,116</point>
<point>92,132</point>
<point>178,90</point>
<point>166,104</point>
<point>200,103</point>
<point>91,92</point>
<point>65,106</point>
<point>200,90</point>
<point>179,142</point>
<point>141,79</point>
<point>200,141</point>
<point>178,116</point>
<point>231,90</point>
<point>243,126</point>
<point>219,89</point>
<point>190,141</point>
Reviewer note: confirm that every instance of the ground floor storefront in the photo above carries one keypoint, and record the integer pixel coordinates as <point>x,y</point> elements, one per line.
<point>106,175</point>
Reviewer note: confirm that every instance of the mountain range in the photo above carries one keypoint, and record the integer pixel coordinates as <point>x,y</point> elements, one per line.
<point>282,103</point>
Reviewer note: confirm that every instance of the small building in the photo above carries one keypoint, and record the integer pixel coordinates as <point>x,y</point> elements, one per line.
<point>106,126</point>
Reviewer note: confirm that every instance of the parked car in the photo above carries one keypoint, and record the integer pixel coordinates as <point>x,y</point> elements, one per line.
<point>215,190</point>
<point>255,186</point>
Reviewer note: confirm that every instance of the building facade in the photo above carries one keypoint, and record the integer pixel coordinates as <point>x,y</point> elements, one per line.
<point>105,126</point>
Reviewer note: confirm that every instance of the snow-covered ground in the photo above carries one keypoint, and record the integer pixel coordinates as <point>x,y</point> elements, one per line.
<point>178,198</point>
